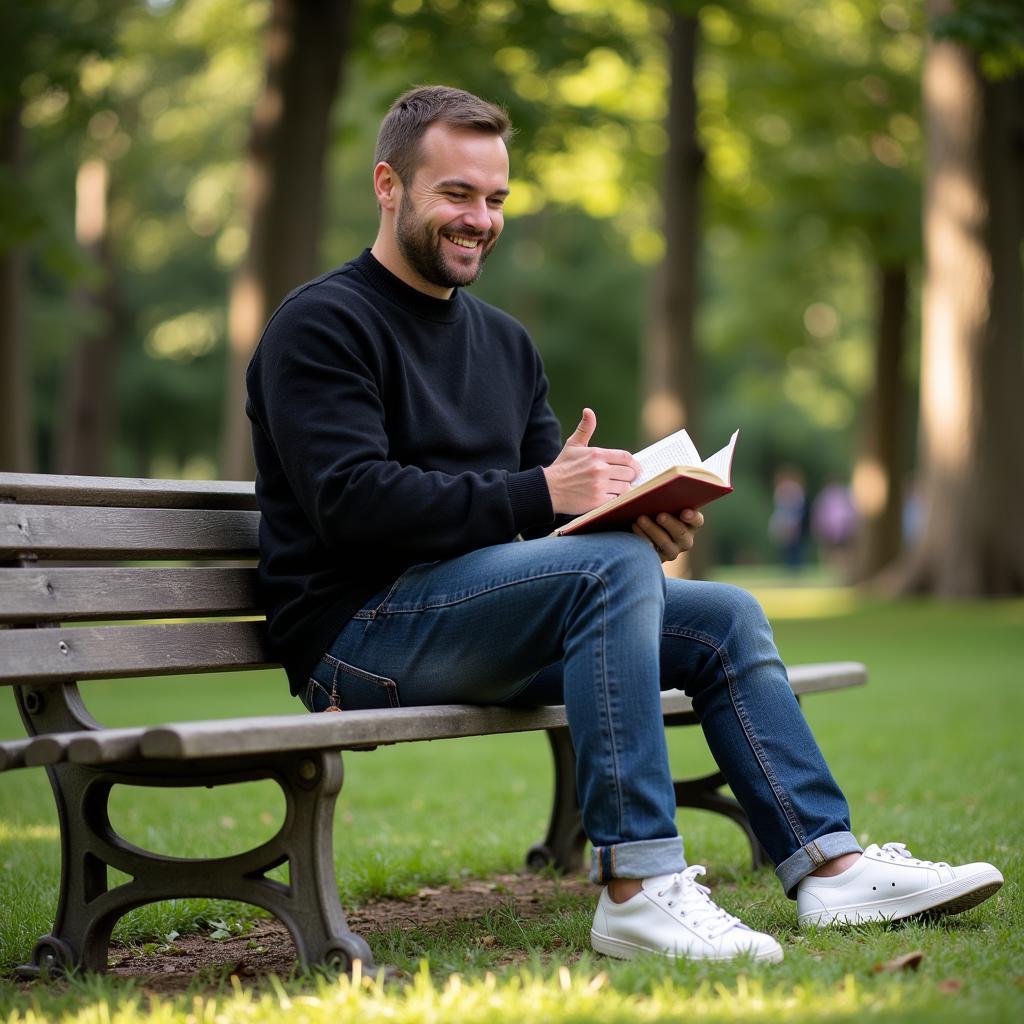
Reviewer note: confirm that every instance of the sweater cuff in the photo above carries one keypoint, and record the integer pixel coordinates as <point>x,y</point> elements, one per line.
<point>530,499</point>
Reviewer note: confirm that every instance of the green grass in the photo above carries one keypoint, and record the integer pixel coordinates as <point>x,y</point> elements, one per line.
<point>928,753</point>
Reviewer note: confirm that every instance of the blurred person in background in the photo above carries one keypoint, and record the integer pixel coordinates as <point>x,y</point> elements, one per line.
<point>787,526</point>
<point>834,524</point>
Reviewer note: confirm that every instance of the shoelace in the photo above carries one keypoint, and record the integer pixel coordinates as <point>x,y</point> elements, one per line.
<point>901,850</point>
<point>695,902</point>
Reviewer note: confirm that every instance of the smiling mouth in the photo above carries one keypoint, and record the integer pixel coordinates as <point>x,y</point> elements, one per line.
<point>463,242</point>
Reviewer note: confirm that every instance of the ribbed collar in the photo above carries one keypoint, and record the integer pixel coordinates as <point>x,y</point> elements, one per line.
<point>411,299</point>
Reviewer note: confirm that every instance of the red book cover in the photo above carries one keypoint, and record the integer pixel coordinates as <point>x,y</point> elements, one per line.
<point>671,488</point>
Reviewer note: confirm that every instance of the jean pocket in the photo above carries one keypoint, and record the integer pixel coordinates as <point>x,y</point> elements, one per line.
<point>337,684</point>
<point>317,699</point>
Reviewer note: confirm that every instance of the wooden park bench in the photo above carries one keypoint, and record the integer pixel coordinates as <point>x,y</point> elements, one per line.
<point>72,563</point>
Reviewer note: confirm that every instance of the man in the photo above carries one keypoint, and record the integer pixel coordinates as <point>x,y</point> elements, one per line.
<point>404,445</point>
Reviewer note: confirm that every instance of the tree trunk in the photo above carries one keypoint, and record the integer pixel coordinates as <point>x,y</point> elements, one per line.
<point>670,378</point>
<point>972,366</point>
<point>306,43</point>
<point>878,475</point>
<point>16,449</point>
<point>86,418</point>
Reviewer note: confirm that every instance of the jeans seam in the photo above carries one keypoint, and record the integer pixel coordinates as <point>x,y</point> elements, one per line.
<point>519,689</point>
<point>606,709</point>
<point>462,598</point>
<point>741,715</point>
<point>387,597</point>
<point>387,685</point>
<point>612,748</point>
<point>360,673</point>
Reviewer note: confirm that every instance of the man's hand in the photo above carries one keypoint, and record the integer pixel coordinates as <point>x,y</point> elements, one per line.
<point>581,478</point>
<point>670,535</point>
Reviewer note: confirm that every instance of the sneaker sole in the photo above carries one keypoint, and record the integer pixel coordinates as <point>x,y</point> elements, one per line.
<point>623,950</point>
<point>942,900</point>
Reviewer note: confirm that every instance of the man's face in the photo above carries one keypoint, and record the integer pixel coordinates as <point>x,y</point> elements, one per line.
<point>450,215</point>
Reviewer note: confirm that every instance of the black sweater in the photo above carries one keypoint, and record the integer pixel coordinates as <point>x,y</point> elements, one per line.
<point>390,428</point>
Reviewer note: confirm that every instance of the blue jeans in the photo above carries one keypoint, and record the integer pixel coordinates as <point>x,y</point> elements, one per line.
<point>591,621</point>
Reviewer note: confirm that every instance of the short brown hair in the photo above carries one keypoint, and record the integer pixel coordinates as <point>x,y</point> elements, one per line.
<point>398,141</point>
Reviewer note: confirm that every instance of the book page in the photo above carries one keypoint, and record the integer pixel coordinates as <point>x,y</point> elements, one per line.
<point>721,462</point>
<point>675,450</point>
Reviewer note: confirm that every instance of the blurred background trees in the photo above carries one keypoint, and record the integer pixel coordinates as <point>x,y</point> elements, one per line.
<point>716,219</point>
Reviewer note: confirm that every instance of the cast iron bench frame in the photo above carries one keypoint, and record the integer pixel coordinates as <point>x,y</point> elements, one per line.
<point>61,539</point>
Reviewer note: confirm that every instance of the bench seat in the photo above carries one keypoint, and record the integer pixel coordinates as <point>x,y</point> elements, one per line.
<point>87,592</point>
<point>349,730</point>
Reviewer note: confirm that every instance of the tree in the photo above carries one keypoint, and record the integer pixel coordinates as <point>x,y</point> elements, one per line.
<point>672,373</point>
<point>878,476</point>
<point>671,355</point>
<point>44,46</point>
<point>305,46</point>
<point>87,411</point>
<point>15,407</point>
<point>972,360</point>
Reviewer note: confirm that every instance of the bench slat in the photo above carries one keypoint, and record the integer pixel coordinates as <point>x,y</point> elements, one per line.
<point>12,754</point>
<point>99,746</point>
<point>47,489</point>
<point>350,729</point>
<point>100,652</point>
<point>53,531</point>
<point>58,594</point>
<point>401,725</point>
<point>824,676</point>
<point>355,728</point>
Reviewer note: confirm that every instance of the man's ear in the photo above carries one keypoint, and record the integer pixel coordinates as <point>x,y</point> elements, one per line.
<point>386,186</point>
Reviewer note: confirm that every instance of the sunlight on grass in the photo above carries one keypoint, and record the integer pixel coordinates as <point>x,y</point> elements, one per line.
<point>806,602</point>
<point>10,832</point>
<point>522,997</point>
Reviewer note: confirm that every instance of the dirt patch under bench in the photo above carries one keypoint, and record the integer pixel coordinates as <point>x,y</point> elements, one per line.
<point>267,948</point>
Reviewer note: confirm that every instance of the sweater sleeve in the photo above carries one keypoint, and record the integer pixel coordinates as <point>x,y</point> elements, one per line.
<point>317,397</point>
<point>541,444</point>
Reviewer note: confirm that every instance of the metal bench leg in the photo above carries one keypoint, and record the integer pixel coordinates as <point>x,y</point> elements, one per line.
<point>703,794</point>
<point>307,904</point>
<point>563,846</point>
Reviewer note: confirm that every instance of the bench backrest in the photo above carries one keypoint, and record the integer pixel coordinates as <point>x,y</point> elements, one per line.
<point>100,551</point>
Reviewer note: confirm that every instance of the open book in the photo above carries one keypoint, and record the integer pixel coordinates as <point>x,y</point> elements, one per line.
<point>674,477</point>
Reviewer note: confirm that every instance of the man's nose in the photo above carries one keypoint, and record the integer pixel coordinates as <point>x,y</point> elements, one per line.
<point>478,216</point>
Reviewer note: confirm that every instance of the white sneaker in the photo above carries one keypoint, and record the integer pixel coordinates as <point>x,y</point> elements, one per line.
<point>675,916</point>
<point>888,884</point>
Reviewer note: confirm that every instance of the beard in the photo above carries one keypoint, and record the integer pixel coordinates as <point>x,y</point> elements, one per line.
<point>421,246</point>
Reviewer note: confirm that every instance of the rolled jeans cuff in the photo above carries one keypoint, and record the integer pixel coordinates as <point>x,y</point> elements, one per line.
<point>643,859</point>
<point>812,856</point>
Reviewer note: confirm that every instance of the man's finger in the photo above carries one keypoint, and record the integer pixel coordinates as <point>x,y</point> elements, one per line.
<point>667,548</point>
<point>614,456</point>
<point>585,431</point>
<point>680,532</point>
<point>658,536</point>
<point>693,518</point>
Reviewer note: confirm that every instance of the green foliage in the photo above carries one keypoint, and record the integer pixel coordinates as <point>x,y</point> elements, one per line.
<point>45,44</point>
<point>994,28</point>
<point>808,114</point>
